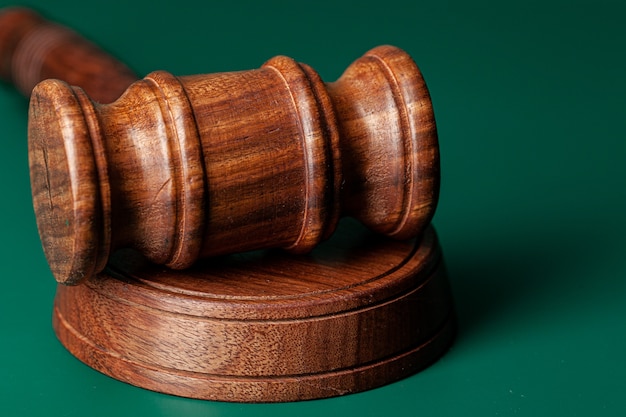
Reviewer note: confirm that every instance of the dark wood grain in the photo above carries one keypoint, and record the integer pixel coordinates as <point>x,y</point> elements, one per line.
<point>356,313</point>
<point>183,168</point>
<point>33,49</point>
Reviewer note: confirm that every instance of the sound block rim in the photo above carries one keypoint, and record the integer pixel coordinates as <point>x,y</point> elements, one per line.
<point>259,390</point>
<point>411,329</point>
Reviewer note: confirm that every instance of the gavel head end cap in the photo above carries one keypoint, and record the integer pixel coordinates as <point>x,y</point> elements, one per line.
<point>64,182</point>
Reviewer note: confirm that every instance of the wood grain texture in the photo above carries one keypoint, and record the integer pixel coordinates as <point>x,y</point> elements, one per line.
<point>356,313</point>
<point>183,168</point>
<point>33,49</point>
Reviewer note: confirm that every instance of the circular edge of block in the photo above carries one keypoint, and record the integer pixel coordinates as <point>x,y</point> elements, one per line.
<point>259,389</point>
<point>423,317</point>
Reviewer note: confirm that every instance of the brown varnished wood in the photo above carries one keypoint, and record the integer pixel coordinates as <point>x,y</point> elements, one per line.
<point>357,312</point>
<point>183,168</point>
<point>33,49</point>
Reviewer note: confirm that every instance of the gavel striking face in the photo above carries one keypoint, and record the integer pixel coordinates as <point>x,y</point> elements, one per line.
<point>182,168</point>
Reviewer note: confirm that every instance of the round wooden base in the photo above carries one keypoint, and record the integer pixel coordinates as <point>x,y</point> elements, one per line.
<point>357,313</point>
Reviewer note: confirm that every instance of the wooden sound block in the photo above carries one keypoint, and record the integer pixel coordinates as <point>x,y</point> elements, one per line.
<point>358,312</point>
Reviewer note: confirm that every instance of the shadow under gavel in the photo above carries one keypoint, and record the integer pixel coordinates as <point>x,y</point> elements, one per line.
<point>182,168</point>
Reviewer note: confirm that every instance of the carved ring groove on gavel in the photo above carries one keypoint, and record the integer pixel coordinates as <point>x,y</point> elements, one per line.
<point>182,168</point>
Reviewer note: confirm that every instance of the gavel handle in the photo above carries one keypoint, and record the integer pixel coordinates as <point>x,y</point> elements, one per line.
<point>33,49</point>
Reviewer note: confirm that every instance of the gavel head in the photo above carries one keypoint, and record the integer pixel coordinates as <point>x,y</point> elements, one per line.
<point>182,168</point>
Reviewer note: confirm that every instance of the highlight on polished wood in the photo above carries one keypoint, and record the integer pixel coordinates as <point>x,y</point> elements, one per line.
<point>358,312</point>
<point>183,168</point>
<point>33,49</point>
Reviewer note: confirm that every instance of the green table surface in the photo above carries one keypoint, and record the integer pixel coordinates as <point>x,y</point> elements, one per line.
<point>530,100</point>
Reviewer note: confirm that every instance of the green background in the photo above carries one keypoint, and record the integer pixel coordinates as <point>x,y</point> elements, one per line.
<point>530,100</point>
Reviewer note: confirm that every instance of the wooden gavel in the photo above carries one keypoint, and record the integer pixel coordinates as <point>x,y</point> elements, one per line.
<point>196,166</point>
<point>189,167</point>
